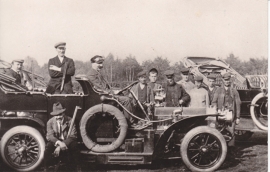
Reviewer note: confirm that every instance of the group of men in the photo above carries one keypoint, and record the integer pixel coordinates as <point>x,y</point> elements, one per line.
<point>182,93</point>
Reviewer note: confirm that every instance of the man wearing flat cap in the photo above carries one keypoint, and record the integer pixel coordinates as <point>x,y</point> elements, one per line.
<point>175,93</point>
<point>100,84</point>
<point>16,72</point>
<point>143,93</point>
<point>212,88</point>
<point>61,69</point>
<point>58,141</point>
<point>198,95</point>
<point>185,81</point>
<point>227,98</point>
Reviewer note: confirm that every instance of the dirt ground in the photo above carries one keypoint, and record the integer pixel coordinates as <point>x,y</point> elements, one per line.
<point>248,156</point>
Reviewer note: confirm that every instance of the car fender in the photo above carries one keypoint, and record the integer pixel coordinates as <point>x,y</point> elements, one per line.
<point>183,125</point>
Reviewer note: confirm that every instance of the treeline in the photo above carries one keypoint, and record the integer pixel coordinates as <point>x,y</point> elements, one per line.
<point>119,70</point>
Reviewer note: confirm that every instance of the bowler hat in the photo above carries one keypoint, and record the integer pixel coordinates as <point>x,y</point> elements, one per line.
<point>198,78</point>
<point>185,71</point>
<point>18,60</point>
<point>57,109</point>
<point>60,44</point>
<point>226,75</point>
<point>142,73</point>
<point>97,59</point>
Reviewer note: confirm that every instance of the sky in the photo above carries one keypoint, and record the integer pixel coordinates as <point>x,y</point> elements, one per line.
<point>172,29</point>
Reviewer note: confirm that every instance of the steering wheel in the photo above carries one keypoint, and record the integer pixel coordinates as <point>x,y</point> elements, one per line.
<point>127,87</point>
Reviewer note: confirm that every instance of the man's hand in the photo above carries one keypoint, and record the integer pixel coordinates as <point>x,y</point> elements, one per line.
<point>181,102</point>
<point>62,145</point>
<point>57,151</point>
<point>237,121</point>
<point>53,67</point>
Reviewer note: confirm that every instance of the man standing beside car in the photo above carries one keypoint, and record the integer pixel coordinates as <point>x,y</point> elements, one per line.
<point>185,82</point>
<point>228,98</point>
<point>199,95</point>
<point>61,68</point>
<point>212,88</point>
<point>175,93</point>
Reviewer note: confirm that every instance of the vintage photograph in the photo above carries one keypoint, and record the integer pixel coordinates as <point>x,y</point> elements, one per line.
<point>148,86</point>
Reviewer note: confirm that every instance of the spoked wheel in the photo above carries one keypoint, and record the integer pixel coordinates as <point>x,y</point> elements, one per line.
<point>22,148</point>
<point>259,111</point>
<point>203,149</point>
<point>242,135</point>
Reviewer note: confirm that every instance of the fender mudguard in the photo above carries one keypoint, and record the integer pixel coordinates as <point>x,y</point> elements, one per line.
<point>184,125</point>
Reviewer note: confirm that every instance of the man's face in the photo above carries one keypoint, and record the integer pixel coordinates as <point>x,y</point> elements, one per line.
<point>97,66</point>
<point>17,66</point>
<point>142,79</point>
<point>61,51</point>
<point>60,116</point>
<point>153,77</point>
<point>198,84</point>
<point>227,82</point>
<point>170,80</point>
<point>185,77</point>
<point>211,82</point>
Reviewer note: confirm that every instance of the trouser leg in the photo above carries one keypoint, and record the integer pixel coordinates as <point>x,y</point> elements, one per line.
<point>125,101</point>
<point>48,153</point>
<point>74,152</point>
<point>231,129</point>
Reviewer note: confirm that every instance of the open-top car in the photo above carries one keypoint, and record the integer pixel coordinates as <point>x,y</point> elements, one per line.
<point>253,91</point>
<point>104,134</point>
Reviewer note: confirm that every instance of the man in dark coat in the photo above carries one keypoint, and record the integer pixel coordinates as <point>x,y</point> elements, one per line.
<point>227,97</point>
<point>175,93</point>
<point>212,88</point>
<point>100,84</point>
<point>58,66</point>
<point>58,141</point>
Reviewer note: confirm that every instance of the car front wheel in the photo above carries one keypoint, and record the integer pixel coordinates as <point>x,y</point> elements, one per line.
<point>203,149</point>
<point>22,148</point>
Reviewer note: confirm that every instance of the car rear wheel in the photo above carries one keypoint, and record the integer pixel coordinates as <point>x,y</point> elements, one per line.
<point>203,149</point>
<point>22,148</point>
<point>259,111</point>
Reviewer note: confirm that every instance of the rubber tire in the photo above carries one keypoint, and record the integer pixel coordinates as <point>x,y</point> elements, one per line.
<point>190,135</point>
<point>122,123</point>
<point>30,131</point>
<point>243,137</point>
<point>252,112</point>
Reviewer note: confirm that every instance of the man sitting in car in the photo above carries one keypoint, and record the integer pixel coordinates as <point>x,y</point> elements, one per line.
<point>175,93</point>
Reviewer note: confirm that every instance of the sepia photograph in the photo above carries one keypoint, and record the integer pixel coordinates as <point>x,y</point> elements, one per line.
<point>125,86</point>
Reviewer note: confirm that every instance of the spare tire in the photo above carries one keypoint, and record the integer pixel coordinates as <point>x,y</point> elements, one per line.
<point>97,110</point>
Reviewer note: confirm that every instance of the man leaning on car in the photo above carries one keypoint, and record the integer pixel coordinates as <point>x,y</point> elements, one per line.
<point>61,68</point>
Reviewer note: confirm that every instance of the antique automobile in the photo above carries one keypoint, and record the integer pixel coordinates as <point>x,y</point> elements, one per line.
<point>252,90</point>
<point>104,135</point>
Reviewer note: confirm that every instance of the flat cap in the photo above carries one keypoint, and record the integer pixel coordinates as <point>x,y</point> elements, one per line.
<point>142,73</point>
<point>60,44</point>
<point>18,60</point>
<point>184,71</point>
<point>169,72</point>
<point>198,78</point>
<point>211,76</point>
<point>153,70</point>
<point>97,59</point>
<point>226,75</point>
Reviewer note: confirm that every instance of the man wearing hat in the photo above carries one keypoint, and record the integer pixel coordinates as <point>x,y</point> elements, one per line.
<point>61,69</point>
<point>16,72</point>
<point>198,95</point>
<point>185,82</point>
<point>212,88</point>
<point>228,98</point>
<point>58,142</point>
<point>98,81</point>
<point>143,93</point>
<point>175,93</point>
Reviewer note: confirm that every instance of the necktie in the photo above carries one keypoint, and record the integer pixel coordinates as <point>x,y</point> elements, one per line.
<point>60,130</point>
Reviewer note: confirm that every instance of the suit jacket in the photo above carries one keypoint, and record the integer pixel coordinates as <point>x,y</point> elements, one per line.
<point>211,94</point>
<point>53,132</point>
<point>12,73</point>
<point>98,80</point>
<point>149,92</point>
<point>56,76</point>
<point>177,92</point>
<point>218,100</point>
